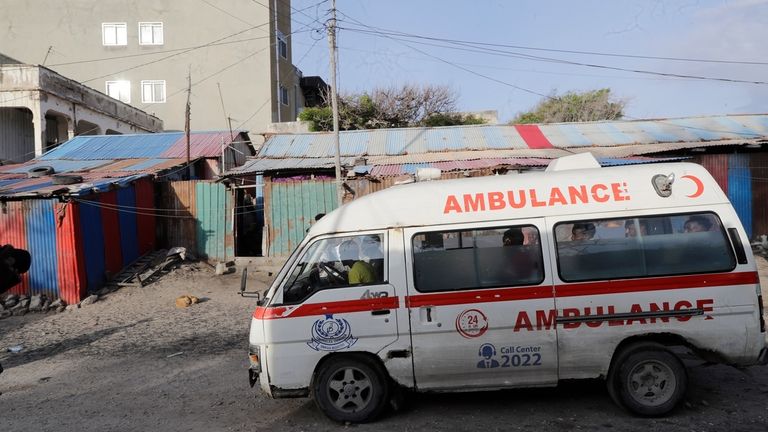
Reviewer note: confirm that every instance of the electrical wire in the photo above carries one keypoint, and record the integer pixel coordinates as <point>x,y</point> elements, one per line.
<point>564,51</point>
<point>522,56</point>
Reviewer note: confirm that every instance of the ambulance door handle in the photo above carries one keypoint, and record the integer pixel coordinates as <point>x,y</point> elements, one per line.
<point>381,312</point>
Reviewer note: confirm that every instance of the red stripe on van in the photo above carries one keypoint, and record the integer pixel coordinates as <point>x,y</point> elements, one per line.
<point>657,284</point>
<point>484,296</point>
<point>512,294</point>
<point>329,308</point>
<point>532,136</point>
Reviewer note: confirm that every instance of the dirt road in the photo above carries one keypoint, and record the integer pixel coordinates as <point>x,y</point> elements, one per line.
<point>133,362</point>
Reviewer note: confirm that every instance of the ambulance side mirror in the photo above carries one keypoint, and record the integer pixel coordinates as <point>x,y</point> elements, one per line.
<point>243,285</point>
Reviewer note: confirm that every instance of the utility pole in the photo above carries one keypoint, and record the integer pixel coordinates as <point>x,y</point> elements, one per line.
<point>277,62</point>
<point>334,100</point>
<point>186,120</point>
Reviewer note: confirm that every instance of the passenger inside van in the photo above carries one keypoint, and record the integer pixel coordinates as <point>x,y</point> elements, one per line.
<point>583,231</point>
<point>522,265</point>
<point>697,223</point>
<point>630,229</point>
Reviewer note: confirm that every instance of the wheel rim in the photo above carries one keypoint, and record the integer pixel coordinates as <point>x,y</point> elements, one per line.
<point>651,383</point>
<point>350,390</point>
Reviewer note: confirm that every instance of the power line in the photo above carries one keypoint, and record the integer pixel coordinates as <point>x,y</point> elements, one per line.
<point>564,51</point>
<point>556,60</point>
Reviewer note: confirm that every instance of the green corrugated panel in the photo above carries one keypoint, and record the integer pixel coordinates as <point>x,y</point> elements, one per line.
<point>214,224</point>
<point>293,206</point>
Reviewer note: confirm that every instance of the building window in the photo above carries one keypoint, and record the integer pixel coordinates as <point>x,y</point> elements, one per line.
<point>282,45</point>
<point>150,33</point>
<point>153,91</point>
<point>114,34</point>
<point>283,95</point>
<point>120,90</point>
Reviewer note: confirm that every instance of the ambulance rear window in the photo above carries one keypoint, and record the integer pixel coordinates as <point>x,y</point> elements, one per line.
<point>478,258</point>
<point>642,247</point>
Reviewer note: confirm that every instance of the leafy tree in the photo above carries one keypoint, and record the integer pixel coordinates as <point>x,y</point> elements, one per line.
<point>393,107</point>
<point>591,105</point>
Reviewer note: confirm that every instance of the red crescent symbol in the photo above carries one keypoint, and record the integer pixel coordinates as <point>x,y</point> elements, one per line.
<point>699,186</point>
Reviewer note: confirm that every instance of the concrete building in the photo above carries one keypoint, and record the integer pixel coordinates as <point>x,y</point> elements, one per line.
<point>40,109</point>
<point>237,52</point>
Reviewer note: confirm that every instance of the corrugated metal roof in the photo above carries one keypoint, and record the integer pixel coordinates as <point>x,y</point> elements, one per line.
<point>203,144</point>
<point>410,141</point>
<point>142,146</point>
<point>400,169</point>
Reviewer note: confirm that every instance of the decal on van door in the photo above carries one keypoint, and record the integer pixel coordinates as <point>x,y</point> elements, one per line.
<point>472,323</point>
<point>331,334</point>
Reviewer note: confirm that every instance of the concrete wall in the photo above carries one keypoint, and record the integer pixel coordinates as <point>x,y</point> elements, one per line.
<point>59,107</point>
<point>235,47</point>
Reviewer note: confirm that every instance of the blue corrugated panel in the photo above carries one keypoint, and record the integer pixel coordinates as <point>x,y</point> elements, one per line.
<point>573,135</point>
<point>114,146</point>
<point>494,139</point>
<point>656,132</point>
<point>445,139</point>
<point>736,128</point>
<point>28,188</point>
<point>60,166</point>
<point>700,130</point>
<point>299,146</point>
<point>277,146</point>
<point>93,243</point>
<point>214,230</point>
<point>129,238</point>
<point>617,136</point>
<point>412,168</point>
<point>352,147</point>
<point>41,242</point>
<point>740,189</point>
<point>396,143</point>
<point>149,163</point>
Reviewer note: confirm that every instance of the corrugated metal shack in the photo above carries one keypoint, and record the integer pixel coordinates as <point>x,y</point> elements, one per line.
<point>295,172</point>
<point>114,209</point>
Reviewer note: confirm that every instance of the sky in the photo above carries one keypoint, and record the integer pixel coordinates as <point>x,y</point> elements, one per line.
<point>373,53</point>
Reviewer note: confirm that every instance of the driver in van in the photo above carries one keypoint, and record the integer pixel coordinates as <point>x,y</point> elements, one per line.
<point>360,272</point>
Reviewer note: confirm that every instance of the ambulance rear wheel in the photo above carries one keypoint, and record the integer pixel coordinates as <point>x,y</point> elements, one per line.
<point>350,389</point>
<point>648,380</point>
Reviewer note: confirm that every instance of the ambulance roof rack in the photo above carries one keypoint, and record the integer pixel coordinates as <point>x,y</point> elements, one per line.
<point>573,162</point>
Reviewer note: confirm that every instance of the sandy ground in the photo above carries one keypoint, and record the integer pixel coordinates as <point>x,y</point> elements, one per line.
<point>111,366</point>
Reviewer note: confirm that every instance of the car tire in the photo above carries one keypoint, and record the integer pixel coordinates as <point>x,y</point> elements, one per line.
<point>648,380</point>
<point>66,179</point>
<point>40,171</point>
<point>351,388</point>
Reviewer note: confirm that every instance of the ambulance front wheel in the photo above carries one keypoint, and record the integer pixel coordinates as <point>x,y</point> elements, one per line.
<point>648,380</point>
<point>350,388</point>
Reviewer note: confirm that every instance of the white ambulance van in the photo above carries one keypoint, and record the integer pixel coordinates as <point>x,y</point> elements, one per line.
<point>514,281</point>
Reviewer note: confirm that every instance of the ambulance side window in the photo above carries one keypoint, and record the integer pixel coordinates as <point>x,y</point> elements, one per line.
<point>479,258</point>
<point>336,263</point>
<point>642,247</point>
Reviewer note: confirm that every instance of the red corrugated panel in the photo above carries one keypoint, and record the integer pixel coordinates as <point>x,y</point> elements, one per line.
<point>13,232</point>
<point>532,136</point>
<point>111,225</point>
<point>70,257</point>
<point>717,165</point>
<point>145,218</point>
<point>201,144</point>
